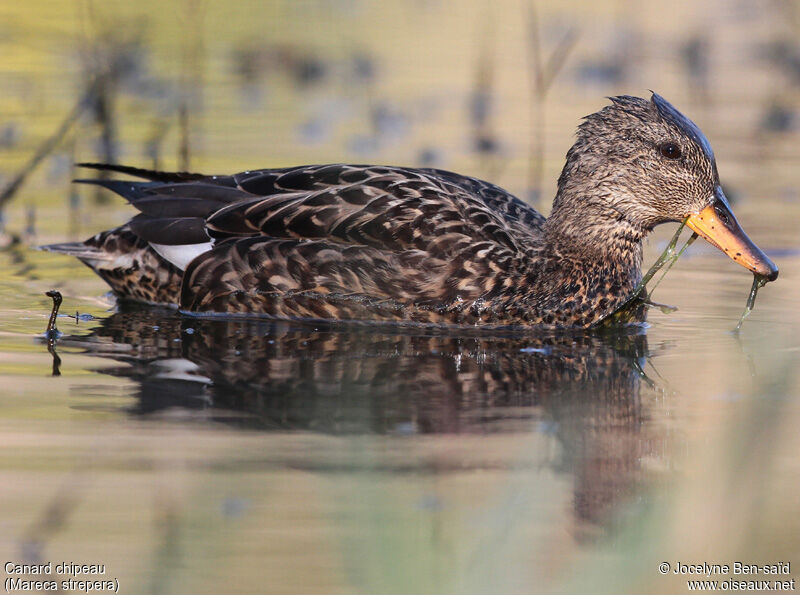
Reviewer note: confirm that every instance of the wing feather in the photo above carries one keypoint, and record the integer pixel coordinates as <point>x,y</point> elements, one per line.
<point>391,209</point>
<point>333,241</point>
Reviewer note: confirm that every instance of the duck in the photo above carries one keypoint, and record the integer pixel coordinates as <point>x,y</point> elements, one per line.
<point>380,243</point>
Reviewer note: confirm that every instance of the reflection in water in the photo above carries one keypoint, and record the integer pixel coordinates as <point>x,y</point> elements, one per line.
<point>584,389</point>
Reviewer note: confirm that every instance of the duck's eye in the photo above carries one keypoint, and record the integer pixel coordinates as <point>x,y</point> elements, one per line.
<point>670,150</point>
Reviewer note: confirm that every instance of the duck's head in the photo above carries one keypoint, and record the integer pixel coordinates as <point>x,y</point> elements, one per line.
<point>645,163</point>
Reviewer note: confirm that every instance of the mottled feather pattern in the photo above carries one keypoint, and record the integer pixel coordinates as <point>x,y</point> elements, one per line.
<point>388,208</point>
<point>370,242</point>
<point>129,265</point>
<point>330,280</point>
<point>351,242</point>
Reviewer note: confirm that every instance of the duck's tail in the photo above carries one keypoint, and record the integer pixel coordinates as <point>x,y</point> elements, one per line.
<point>147,174</point>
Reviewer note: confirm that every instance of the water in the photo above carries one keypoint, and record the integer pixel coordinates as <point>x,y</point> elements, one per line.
<point>196,456</point>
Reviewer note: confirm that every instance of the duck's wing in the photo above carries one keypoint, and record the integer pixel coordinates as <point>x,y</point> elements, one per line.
<point>370,237</point>
<point>387,208</point>
<point>268,182</point>
<point>357,242</point>
<point>518,214</point>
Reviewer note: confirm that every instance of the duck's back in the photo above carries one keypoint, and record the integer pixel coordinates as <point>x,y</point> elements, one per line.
<point>329,241</point>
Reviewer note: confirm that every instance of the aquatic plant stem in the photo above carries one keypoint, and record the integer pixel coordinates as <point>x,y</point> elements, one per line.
<point>667,256</point>
<point>758,282</point>
<point>674,259</point>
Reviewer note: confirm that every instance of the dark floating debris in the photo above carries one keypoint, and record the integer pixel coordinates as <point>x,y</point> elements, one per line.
<point>52,332</point>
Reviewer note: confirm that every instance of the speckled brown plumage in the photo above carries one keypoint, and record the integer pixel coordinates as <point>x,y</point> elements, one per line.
<point>407,245</point>
<point>125,261</point>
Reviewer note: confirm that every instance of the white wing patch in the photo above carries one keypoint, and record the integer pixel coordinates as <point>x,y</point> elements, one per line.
<point>181,255</point>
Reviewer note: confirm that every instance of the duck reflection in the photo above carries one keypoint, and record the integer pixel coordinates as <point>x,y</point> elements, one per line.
<point>584,389</point>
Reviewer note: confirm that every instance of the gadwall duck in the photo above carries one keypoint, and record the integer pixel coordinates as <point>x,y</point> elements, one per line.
<point>380,243</point>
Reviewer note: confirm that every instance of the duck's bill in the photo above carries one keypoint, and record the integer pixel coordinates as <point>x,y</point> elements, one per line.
<point>717,224</point>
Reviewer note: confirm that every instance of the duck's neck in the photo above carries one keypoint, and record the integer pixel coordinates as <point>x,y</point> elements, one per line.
<point>595,259</point>
<point>594,232</point>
